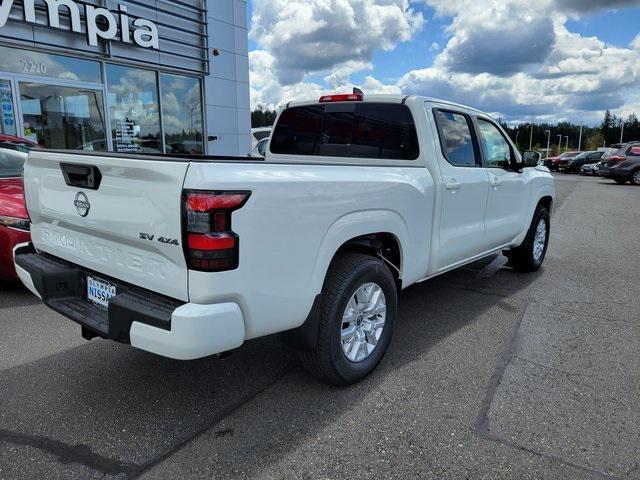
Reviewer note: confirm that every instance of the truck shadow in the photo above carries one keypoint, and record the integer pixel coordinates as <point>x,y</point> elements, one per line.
<point>139,409</point>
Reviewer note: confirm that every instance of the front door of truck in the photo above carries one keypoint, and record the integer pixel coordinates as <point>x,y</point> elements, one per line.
<point>464,189</point>
<point>508,195</point>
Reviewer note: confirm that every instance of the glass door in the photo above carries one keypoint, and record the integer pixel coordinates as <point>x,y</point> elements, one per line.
<point>63,117</point>
<point>7,110</point>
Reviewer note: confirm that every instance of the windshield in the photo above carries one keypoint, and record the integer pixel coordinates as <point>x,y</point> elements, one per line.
<point>11,163</point>
<point>583,155</point>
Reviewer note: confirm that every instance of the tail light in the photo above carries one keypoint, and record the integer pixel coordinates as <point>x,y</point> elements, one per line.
<point>617,158</point>
<point>210,243</point>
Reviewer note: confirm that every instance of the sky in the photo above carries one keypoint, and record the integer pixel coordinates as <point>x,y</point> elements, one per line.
<point>553,59</point>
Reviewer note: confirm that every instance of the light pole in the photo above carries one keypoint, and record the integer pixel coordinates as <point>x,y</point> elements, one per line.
<point>559,143</point>
<point>566,147</point>
<point>517,134</point>
<point>580,140</point>
<point>548,132</point>
<point>621,130</point>
<point>531,134</point>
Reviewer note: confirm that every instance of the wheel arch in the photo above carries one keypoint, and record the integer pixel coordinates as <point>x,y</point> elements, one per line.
<point>370,232</point>
<point>543,195</point>
<point>546,202</point>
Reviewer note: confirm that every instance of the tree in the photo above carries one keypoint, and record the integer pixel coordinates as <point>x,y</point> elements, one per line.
<point>632,128</point>
<point>262,117</point>
<point>609,128</point>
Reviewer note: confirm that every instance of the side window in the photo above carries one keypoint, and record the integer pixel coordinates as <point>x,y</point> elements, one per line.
<point>496,148</point>
<point>299,131</point>
<point>456,139</point>
<point>634,151</point>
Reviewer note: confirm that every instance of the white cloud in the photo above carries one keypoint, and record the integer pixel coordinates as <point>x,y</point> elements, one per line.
<point>580,6</point>
<point>511,57</point>
<point>501,37</point>
<point>331,39</point>
<point>320,35</point>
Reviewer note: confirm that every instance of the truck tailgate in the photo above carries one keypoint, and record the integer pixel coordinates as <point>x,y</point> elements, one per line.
<point>129,228</point>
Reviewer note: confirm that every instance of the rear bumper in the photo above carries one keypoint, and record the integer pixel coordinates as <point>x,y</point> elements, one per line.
<point>616,174</point>
<point>146,320</point>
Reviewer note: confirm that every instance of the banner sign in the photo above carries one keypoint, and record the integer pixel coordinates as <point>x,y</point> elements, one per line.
<point>100,22</point>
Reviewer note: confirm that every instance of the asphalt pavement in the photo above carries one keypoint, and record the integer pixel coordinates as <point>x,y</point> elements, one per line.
<point>491,374</point>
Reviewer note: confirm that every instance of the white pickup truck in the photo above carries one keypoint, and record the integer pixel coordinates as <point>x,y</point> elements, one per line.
<point>358,197</point>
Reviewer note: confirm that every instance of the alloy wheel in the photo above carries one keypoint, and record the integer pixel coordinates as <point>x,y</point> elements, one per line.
<point>540,240</point>
<point>363,322</point>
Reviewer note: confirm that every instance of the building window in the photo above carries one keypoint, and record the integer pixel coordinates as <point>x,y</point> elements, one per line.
<point>63,117</point>
<point>7,118</point>
<point>133,109</point>
<point>182,114</point>
<point>28,62</point>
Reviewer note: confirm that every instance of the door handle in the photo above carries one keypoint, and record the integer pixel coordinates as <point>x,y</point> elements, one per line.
<point>81,176</point>
<point>495,182</point>
<point>453,185</point>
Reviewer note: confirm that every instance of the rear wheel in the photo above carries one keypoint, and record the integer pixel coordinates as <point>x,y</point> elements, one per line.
<point>357,318</point>
<point>528,257</point>
<point>635,177</point>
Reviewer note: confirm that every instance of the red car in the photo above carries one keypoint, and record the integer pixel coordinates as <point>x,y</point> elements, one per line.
<point>14,220</point>
<point>555,163</point>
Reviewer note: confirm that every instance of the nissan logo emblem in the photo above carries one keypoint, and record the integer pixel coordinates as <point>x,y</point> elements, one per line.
<point>82,204</point>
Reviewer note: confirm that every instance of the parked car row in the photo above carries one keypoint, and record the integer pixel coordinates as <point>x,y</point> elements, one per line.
<point>621,165</point>
<point>553,163</point>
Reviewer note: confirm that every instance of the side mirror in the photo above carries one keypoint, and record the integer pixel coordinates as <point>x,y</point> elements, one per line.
<point>531,158</point>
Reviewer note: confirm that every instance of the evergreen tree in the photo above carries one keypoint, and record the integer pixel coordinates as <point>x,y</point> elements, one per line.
<point>632,128</point>
<point>262,117</point>
<point>607,126</point>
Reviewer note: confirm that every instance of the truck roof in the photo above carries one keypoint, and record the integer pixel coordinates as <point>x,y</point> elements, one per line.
<point>389,98</point>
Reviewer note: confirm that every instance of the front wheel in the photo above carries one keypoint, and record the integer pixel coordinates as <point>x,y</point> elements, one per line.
<point>528,257</point>
<point>357,317</point>
<point>635,177</point>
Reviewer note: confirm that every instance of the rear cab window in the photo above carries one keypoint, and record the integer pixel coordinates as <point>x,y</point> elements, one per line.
<point>348,129</point>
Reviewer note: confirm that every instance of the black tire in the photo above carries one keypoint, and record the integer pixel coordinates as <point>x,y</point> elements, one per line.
<point>620,181</point>
<point>635,177</point>
<point>522,258</point>
<point>347,273</point>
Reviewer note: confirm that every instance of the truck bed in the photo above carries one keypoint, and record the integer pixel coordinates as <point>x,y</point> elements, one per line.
<point>166,157</point>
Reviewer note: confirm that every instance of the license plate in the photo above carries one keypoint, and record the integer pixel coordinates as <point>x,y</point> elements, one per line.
<point>99,292</point>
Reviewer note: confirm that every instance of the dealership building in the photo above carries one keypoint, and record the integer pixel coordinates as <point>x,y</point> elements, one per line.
<point>126,76</point>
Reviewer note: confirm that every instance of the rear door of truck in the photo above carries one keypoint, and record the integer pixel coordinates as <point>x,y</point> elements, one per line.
<point>118,216</point>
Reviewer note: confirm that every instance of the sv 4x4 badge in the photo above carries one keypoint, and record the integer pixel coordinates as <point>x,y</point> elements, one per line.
<point>165,240</point>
